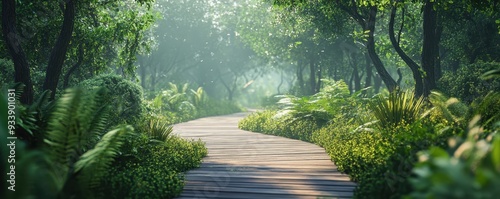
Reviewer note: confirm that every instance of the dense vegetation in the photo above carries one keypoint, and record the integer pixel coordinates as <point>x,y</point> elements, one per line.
<point>378,140</point>
<point>104,140</point>
<point>403,95</point>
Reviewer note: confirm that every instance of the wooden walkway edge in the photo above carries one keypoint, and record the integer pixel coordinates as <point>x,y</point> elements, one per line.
<point>247,165</point>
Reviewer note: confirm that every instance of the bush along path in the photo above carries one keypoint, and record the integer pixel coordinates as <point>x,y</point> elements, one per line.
<point>242,164</point>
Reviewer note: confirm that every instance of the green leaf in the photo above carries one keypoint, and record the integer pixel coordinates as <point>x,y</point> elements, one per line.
<point>495,152</point>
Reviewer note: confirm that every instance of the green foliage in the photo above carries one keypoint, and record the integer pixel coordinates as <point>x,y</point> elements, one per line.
<point>74,143</point>
<point>179,104</point>
<point>93,165</point>
<point>158,129</point>
<point>123,95</point>
<point>447,111</point>
<point>152,169</point>
<point>7,71</point>
<point>471,170</point>
<point>75,126</point>
<point>80,161</point>
<point>267,122</point>
<point>466,83</point>
<point>378,159</point>
<point>334,100</point>
<point>488,107</point>
<point>398,108</point>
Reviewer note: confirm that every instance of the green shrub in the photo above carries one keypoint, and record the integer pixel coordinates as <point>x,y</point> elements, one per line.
<point>152,167</point>
<point>466,82</point>
<point>447,111</point>
<point>399,108</point>
<point>332,101</point>
<point>488,107</point>
<point>471,170</point>
<point>270,123</point>
<point>124,96</point>
<point>178,104</point>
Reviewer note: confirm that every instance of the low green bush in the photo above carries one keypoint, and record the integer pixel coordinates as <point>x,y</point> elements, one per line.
<point>123,96</point>
<point>151,168</point>
<point>270,122</point>
<point>466,83</point>
<point>488,107</point>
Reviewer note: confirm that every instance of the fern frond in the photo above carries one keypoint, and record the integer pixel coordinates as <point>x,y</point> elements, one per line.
<point>94,118</point>
<point>93,164</point>
<point>62,135</point>
<point>75,125</point>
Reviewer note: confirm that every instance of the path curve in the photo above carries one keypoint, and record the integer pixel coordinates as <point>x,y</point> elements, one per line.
<point>247,165</point>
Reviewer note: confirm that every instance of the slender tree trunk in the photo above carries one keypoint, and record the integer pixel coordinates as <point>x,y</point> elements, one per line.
<point>75,66</point>
<point>414,67</point>
<point>153,78</point>
<point>319,75</point>
<point>369,73</point>
<point>58,54</point>
<point>377,83</point>
<point>300,76</point>
<point>355,78</point>
<point>142,72</point>
<point>312,75</point>
<point>429,50</point>
<point>281,82</point>
<point>438,71</point>
<point>11,38</point>
<point>370,45</point>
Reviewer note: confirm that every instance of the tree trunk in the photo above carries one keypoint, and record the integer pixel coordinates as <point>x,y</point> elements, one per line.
<point>142,71</point>
<point>75,66</point>
<point>319,75</point>
<point>370,45</point>
<point>377,83</point>
<point>369,73</point>
<point>300,76</point>
<point>437,69</point>
<point>281,82</point>
<point>415,68</point>
<point>11,38</point>
<point>355,78</point>
<point>153,78</point>
<point>312,75</point>
<point>58,54</point>
<point>429,53</point>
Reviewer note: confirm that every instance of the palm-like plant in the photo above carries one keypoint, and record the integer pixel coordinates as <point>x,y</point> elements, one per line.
<point>396,109</point>
<point>159,130</point>
<point>198,97</point>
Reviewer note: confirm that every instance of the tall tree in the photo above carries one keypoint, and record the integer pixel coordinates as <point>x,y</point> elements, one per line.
<point>13,43</point>
<point>58,54</point>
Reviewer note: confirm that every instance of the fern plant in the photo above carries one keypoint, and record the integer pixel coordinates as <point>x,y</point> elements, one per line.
<point>93,164</point>
<point>396,109</point>
<point>74,144</point>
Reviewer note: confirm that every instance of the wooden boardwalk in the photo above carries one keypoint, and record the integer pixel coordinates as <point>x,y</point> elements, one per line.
<point>247,165</point>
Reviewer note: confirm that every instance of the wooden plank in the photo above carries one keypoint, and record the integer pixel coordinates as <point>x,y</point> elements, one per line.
<point>245,165</point>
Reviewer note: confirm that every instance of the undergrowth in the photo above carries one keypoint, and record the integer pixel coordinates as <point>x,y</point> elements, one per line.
<point>376,141</point>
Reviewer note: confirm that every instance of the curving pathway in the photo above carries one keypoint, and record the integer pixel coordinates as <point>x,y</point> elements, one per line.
<point>247,165</point>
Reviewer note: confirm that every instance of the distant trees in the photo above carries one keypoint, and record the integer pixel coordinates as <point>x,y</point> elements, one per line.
<point>413,29</point>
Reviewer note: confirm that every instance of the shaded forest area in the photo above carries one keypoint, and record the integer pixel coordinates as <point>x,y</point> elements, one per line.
<point>97,85</point>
